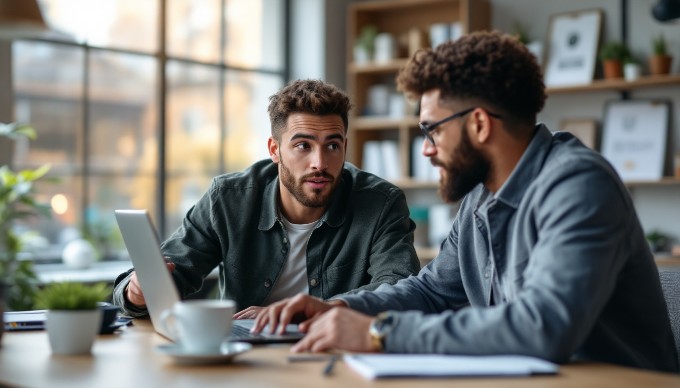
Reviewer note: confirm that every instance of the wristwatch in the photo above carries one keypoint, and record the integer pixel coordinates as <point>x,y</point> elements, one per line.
<point>380,327</point>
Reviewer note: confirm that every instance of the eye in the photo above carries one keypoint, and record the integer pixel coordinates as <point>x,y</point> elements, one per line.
<point>334,146</point>
<point>302,146</point>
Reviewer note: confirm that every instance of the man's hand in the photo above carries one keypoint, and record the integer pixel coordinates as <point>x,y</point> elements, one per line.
<point>249,313</point>
<point>340,328</point>
<point>282,313</point>
<point>133,291</point>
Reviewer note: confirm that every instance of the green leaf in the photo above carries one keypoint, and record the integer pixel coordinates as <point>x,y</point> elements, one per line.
<point>17,130</point>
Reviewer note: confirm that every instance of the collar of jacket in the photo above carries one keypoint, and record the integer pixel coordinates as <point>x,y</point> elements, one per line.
<point>333,216</point>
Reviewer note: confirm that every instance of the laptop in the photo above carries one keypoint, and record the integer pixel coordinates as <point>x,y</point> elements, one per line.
<point>158,286</point>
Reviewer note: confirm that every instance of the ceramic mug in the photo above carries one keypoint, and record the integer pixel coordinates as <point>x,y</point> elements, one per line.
<point>199,326</point>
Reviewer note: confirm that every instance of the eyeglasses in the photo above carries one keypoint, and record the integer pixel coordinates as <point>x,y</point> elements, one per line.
<point>427,129</point>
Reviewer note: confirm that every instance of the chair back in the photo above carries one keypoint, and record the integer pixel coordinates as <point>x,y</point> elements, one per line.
<point>670,284</point>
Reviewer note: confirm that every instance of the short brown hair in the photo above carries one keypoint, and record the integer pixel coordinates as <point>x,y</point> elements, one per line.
<point>487,67</point>
<point>306,96</point>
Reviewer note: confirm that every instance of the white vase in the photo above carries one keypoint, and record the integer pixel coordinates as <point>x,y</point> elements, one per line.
<point>79,254</point>
<point>72,332</point>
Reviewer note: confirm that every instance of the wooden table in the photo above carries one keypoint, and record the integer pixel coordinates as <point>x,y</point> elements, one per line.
<point>128,359</point>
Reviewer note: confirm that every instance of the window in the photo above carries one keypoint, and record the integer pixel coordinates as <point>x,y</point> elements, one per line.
<point>127,122</point>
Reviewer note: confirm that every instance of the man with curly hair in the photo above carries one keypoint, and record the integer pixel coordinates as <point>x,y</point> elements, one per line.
<point>546,256</point>
<point>304,221</point>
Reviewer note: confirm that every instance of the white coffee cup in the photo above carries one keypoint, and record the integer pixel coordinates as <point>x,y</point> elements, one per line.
<point>199,326</point>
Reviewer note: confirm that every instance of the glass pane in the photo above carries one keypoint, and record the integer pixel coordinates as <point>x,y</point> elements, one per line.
<point>123,121</point>
<point>107,193</point>
<point>255,35</point>
<point>48,95</point>
<point>193,135</point>
<point>126,24</point>
<point>247,122</point>
<point>194,29</point>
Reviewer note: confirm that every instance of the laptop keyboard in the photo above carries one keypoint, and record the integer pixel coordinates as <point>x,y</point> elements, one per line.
<point>240,332</point>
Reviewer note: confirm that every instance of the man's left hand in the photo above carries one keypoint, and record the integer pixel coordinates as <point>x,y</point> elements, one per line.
<point>339,328</point>
<point>248,313</point>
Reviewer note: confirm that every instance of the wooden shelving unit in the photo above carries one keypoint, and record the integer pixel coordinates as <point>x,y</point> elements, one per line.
<point>396,17</point>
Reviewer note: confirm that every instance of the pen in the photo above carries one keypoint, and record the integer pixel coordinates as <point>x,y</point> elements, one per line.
<point>329,367</point>
<point>307,357</point>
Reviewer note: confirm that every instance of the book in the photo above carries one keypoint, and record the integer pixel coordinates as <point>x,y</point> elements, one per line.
<point>373,366</point>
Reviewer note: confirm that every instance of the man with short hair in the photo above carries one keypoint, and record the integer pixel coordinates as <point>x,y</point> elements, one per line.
<point>546,256</point>
<point>304,221</point>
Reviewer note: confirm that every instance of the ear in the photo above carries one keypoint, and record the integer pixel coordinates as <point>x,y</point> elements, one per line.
<point>481,125</point>
<point>273,146</point>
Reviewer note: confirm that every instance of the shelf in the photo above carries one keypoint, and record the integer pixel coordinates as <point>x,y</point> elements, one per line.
<point>618,84</point>
<point>665,261</point>
<point>390,67</point>
<point>409,184</point>
<point>366,123</point>
<point>665,181</point>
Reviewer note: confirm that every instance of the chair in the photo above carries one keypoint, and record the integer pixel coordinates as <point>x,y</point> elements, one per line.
<point>670,283</point>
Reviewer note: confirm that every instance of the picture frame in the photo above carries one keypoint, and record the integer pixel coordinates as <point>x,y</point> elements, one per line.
<point>573,40</point>
<point>586,130</point>
<point>635,138</point>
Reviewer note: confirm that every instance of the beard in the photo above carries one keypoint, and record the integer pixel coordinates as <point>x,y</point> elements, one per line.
<point>317,199</point>
<point>468,168</point>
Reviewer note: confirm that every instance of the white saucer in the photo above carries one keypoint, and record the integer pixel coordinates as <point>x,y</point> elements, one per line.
<point>226,353</point>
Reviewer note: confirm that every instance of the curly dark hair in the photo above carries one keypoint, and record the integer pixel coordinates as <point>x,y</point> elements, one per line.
<point>306,96</point>
<point>489,68</point>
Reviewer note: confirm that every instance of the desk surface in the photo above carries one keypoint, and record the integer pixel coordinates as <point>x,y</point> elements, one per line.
<point>128,358</point>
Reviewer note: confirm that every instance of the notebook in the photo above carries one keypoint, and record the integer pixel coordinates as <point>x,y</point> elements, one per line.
<point>158,286</point>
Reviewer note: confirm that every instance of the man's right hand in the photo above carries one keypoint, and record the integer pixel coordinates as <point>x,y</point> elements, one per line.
<point>133,291</point>
<point>281,313</point>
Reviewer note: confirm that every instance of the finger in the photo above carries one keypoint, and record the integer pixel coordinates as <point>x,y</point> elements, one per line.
<point>305,326</point>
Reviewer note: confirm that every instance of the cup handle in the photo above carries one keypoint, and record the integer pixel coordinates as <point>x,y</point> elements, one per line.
<point>167,326</point>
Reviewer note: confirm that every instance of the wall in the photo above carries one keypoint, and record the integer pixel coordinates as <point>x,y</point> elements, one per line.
<point>6,98</point>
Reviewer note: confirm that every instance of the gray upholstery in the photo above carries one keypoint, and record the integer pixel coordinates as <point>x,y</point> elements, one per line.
<point>670,283</point>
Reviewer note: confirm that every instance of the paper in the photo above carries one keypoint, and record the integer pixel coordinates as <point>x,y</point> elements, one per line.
<point>372,366</point>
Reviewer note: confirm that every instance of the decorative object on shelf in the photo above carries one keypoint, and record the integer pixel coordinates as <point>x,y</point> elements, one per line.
<point>572,47</point>
<point>365,45</point>
<point>632,70</point>
<point>17,201</point>
<point>658,242</point>
<point>385,48</point>
<point>613,54</point>
<point>416,40</point>
<point>79,254</point>
<point>73,317</point>
<point>534,46</point>
<point>584,129</point>
<point>660,62</point>
<point>676,164</point>
<point>635,136</point>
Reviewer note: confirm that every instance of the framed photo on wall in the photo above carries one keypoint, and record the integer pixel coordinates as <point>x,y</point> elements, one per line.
<point>584,130</point>
<point>635,136</point>
<point>572,47</point>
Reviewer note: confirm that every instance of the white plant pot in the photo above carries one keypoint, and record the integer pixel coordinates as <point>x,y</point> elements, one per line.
<point>631,71</point>
<point>72,332</point>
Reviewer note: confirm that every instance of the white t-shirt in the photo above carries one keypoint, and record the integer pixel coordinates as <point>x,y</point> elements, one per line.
<point>293,278</point>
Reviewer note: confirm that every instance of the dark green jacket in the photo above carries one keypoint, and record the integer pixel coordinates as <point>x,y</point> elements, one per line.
<point>365,238</point>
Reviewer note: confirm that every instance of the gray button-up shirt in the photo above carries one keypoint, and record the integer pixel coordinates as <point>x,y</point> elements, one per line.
<point>364,239</point>
<point>574,273</point>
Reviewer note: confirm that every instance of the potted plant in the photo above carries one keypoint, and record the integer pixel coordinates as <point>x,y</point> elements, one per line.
<point>612,56</point>
<point>365,44</point>
<point>657,241</point>
<point>73,315</point>
<point>660,61</point>
<point>18,281</point>
<point>631,68</point>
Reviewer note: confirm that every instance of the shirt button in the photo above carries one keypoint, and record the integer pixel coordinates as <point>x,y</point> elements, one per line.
<point>267,283</point>
<point>284,250</point>
<point>486,274</point>
<point>313,282</point>
<point>285,240</point>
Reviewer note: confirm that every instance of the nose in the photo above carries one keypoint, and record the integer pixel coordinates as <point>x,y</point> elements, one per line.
<point>428,149</point>
<point>318,161</point>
